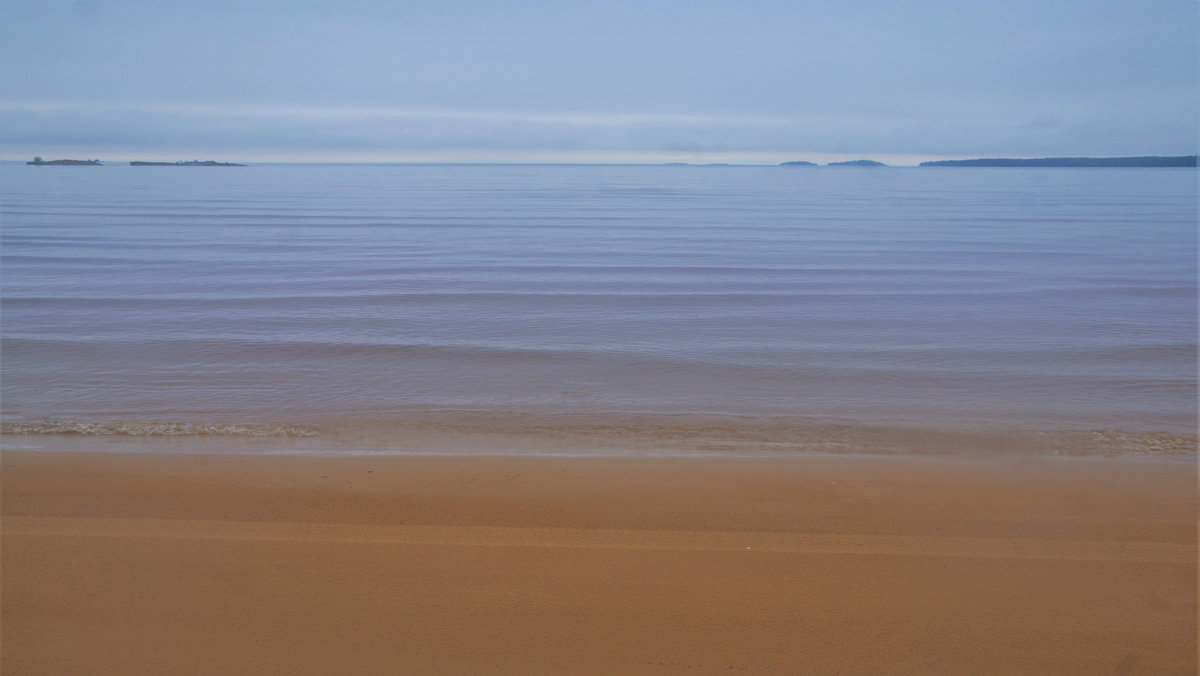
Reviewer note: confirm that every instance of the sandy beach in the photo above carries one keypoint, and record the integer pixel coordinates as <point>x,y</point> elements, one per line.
<point>145,563</point>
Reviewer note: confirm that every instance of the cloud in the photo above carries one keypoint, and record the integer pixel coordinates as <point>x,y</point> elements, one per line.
<point>387,128</point>
<point>652,76</point>
<point>246,129</point>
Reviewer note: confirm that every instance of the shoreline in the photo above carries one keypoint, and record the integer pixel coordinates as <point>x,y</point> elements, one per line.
<point>567,434</point>
<point>173,563</point>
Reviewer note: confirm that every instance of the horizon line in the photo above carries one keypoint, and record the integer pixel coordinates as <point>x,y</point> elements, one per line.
<point>597,162</point>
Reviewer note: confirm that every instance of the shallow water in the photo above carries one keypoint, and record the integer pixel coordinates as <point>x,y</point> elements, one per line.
<point>1020,300</point>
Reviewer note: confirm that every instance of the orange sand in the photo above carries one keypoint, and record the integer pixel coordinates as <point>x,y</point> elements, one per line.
<point>123,564</point>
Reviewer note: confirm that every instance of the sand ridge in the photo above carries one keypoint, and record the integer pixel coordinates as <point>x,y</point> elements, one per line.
<point>591,538</point>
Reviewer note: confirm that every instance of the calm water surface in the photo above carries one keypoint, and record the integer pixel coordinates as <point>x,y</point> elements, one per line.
<point>1031,299</point>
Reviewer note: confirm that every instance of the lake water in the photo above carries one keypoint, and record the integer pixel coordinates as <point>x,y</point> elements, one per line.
<point>360,296</point>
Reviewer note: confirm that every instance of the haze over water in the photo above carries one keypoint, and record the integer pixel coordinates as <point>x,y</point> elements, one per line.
<point>1012,299</point>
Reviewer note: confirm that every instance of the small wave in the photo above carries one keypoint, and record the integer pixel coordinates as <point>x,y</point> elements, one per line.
<point>556,434</point>
<point>158,429</point>
<point>688,433</point>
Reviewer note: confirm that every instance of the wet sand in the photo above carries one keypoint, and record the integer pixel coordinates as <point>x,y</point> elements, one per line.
<point>144,563</point>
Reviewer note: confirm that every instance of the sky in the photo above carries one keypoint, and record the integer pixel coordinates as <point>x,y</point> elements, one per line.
<point>746,81</point>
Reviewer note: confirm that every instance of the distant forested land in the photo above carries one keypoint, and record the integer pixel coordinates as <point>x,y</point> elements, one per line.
<point>857,163</point>
<point>1180,161</point>
<point>39,162</point>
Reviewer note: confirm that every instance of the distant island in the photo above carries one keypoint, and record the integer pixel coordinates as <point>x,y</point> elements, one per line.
<point>39,162</point>
<point>192,163</point>
<point>1180,161</point>
<point>798,163</point>
<point>857,163</point>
